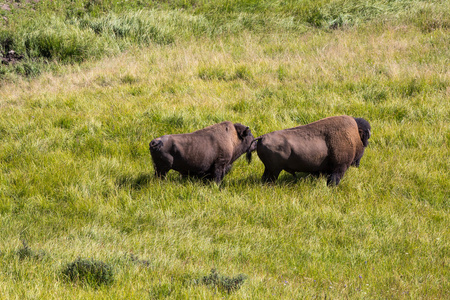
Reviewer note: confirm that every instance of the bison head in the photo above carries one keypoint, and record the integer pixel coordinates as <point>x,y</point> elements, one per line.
<point>364,130</point>
<point>246,137</point>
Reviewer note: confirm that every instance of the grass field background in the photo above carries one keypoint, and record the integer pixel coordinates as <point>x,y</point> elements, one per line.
<point>100,79</point>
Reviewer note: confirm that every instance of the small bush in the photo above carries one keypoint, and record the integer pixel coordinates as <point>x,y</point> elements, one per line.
<point>314,17</point>
<point>91,272</point>
<point>135,259</point>
<point>27,252</point>
<point>223,283</point>
<point>6,41</point>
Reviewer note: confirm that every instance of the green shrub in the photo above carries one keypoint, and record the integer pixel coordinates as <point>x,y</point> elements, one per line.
<point>223,283</point>
<point>27,252</point>
<point>6,40</point>
<point>88,271</point>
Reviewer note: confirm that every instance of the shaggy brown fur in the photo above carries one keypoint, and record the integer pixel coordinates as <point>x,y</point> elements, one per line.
<point>328,146</point>
<point>207,153</point>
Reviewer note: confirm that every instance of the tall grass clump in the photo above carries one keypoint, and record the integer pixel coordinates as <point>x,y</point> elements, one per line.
<point>137,27</point>
<point>223,283</point>
<point>71,33</point>
<point>432,17</point>
<point>56,40</point>
<point>26,252</point>
<point>88,271</point>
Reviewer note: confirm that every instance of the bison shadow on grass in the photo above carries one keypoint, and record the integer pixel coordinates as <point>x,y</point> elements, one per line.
<point>136,183</point>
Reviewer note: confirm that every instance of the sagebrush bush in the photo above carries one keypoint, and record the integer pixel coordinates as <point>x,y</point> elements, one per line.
<point>222,282</point>
<point>6,40</point>
<point>26,252</point>
<point>89,271</point>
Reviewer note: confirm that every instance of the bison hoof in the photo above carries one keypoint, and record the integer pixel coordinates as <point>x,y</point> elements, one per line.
<point>333,180</point>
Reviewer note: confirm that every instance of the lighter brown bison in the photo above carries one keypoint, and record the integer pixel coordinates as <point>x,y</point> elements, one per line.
<point>328,146</point>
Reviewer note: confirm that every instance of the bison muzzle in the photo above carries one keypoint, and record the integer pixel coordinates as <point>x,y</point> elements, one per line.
<point>328,146</point>
<point>207,153</point>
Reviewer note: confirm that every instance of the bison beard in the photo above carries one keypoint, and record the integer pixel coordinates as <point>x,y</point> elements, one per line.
<point>206,153</point>
<point>328,146</point>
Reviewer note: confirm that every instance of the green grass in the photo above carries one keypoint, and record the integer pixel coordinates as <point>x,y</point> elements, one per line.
<point>48,33</point>
<point>76,177</point>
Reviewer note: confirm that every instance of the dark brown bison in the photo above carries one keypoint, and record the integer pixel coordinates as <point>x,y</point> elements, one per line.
<point>208,153</point>
<point>328,146</point>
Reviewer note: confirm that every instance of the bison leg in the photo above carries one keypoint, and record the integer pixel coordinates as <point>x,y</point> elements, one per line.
<point>357,160</point>
<point>356,163</point>
<point>316,174</point>
<point>161,172</point>
<point>228,169</point>
<point>270,176</point>
<point>335,177</point>
<point>219,173</point>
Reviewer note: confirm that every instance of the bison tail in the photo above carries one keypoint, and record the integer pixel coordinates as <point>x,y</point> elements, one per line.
<point>249,156</point>
<point>156,144</point>
<point>364,130</point>
<point>251,149</point>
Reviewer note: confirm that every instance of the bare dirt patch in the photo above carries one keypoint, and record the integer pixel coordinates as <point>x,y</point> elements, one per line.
<point>11,57</point>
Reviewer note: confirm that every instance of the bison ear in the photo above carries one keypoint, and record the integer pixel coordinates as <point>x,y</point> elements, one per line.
<point>242,130</point>
<point>246,132</point>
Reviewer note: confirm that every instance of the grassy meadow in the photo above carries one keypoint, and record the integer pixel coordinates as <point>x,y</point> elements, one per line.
<point>100,79</point>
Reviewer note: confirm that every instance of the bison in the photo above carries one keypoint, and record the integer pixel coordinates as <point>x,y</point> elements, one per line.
<point>207,153</point>
<point>328,146</point>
